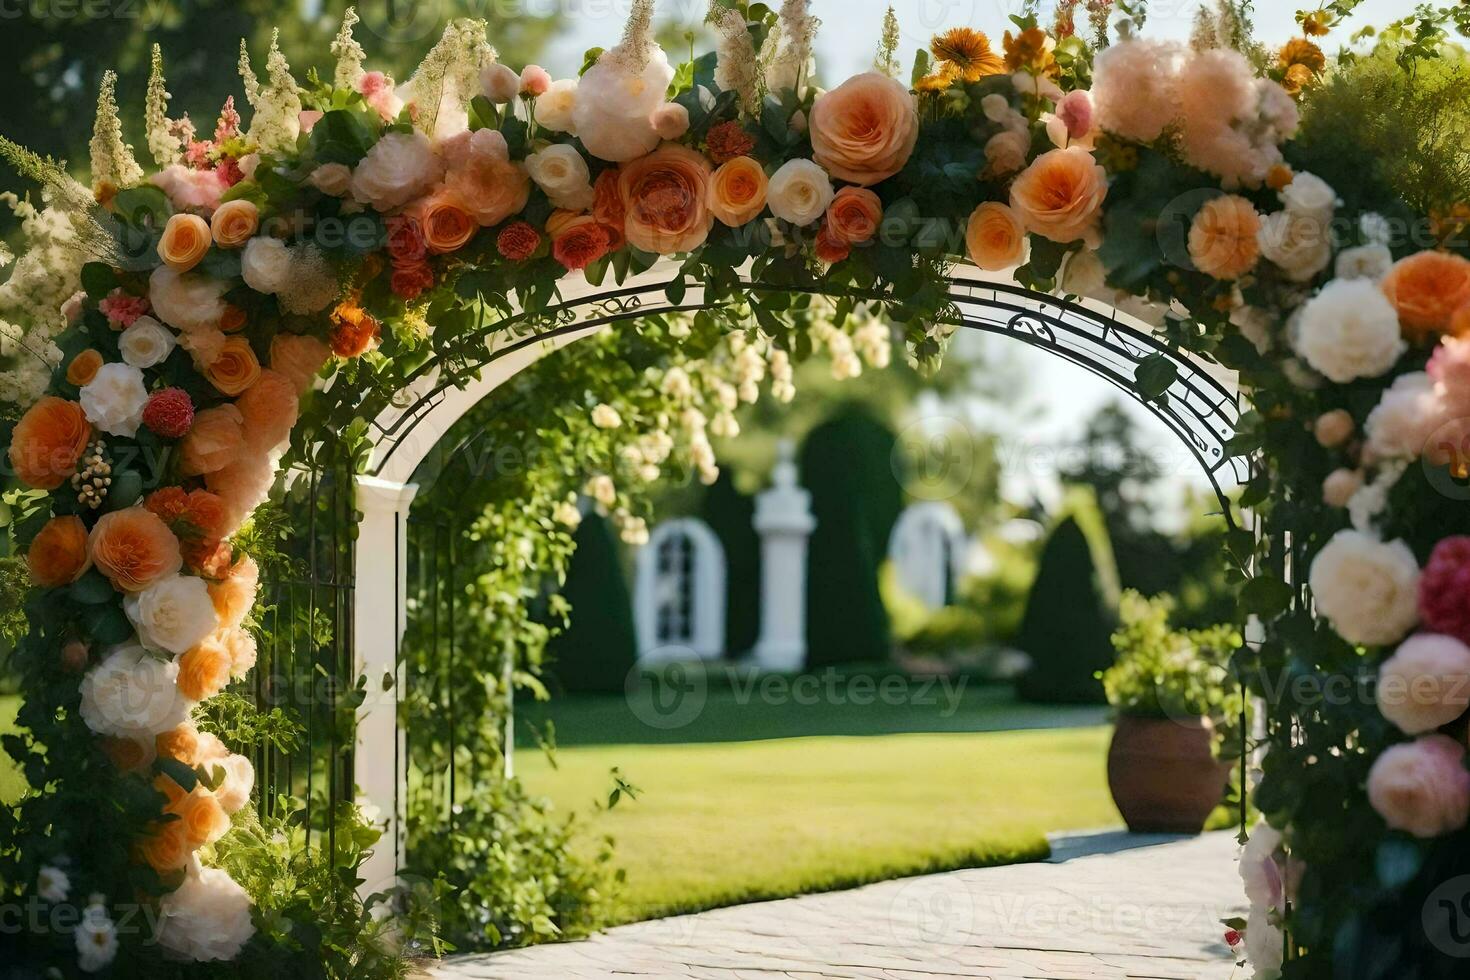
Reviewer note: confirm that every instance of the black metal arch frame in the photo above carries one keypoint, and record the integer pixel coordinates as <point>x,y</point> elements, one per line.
<point>1199,409</point>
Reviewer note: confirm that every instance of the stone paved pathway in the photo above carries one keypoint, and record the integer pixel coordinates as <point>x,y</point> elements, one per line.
<point>1106,907</point>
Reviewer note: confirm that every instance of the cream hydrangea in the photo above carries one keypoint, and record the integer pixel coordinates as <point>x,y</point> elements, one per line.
<point>1349,330</point>
<point>206,919</point>
<point>133,694</point>
<point>1366,588</point>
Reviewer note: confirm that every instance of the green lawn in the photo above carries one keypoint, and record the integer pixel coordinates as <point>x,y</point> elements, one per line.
<point>719,824</point>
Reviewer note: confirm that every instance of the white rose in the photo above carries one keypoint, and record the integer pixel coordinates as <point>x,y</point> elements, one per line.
<point>614,105</point>
<point>568,514</point>
<point>1299,245</point>
<point>560,171</point>
<point>234,792</point>
<point>265,264</point>
<point>499,82</point>
<point>132,694</point>
<point>189,301</point>
<point>205,919</point>
<point>1367,589</point>
<point>399,168</point>
<point>799,192</point>
<point>606,417</point>
<point>113,401</point>
<point>1349,330</point>
<point>1006,152</point>
<point>555,109</point>
<point>332,178</point>
<point>146,343</point>
<point>1084,275</point>
<point>1376,229</point>
<point>1404,418</point>
<point>52,884</point>
<point>172,614</point>
<point>1309,196</point>
<point>1258,869</point>
<point>1263,944</point>
<point>1370,262</point>
<point>602,489</point>
<point>96,940</point>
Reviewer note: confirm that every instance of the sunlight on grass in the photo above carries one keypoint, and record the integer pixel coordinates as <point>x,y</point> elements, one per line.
<point>11,783</point>
<point>719,824</point>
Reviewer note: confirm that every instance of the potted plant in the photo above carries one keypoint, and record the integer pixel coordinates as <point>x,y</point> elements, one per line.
<point>1174,703</point>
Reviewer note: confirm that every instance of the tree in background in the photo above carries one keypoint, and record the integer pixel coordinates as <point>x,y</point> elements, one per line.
<point>600,646</point>
<point>731,515</point>
<point>848,465</point>
<point>1070,614</point>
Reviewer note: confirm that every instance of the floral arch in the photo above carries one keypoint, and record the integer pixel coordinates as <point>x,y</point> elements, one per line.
<point>308,291</point>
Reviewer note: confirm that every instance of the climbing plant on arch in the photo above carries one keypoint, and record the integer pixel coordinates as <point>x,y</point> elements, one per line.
<point>265,294</point>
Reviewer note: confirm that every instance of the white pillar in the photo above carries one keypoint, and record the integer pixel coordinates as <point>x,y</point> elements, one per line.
<point>378,625</point>
<point>783,519</point>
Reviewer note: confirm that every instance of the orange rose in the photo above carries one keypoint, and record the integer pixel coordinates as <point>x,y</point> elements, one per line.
<point>1427,288</point>
<point>47,442</point>
<point>167,848</point>
<point>299,358</point>
<point>994,237</point>
<point>234,594</point>
<point>1224,238</point>
<point>204,670</point>
<point>737,191</point>
<point>233,319</point>
<point>829,248</point>
<point>864,130</point>
<point>1460,322</point>
<point>665,194</point>
<point>208,513</point>
<point>83,367</point>
<point>1060,194</point>
<point>185,241</point>
<point>607,206</point>
<point>269,408</point>
<point>134,548</point>
<point>203,819</point>
<point>180,743</point>
<point>235,369</point>
<point>128,754</point>
<point>215,440</point>
<point>485,181</point>
<point>234,222</point>
<point>577,240</point>
<point>853,215</point>
<point>446,225</point>
<point>58,555</point>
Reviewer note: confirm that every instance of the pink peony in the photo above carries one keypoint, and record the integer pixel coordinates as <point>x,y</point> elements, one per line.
<point>377,92</point>
<point>1444,589</point>
<point>534,81</point>
<point>1075,112</point>
<point>1422,787</point>
<point>1425,684</point>
<point>189,189</point>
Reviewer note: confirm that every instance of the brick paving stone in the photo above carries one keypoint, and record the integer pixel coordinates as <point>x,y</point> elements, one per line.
<point>1105,907</point>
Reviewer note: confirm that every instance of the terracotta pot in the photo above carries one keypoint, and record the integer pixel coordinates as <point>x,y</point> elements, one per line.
<point>1162,775</point>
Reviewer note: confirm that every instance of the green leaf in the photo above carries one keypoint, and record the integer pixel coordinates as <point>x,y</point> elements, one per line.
<point>98,279</point>
<point>1154,375</point>
<point>126,489</point>
<point>1266,596</point>
<point>92,589</point>
<point>186,777</point>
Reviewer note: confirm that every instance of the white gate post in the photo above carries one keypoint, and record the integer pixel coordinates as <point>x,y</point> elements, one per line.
<point>381,769</point>
<point>783,519</point>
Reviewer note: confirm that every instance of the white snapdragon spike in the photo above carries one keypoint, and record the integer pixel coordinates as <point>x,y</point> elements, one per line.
<point>34,299</point>
<point>736,67</point>
<point>441,88</point>
<point>112,158</point>
<point>348,52</point>
<point>790,58</point>
<point>277,103</point>
<point>162,143</point>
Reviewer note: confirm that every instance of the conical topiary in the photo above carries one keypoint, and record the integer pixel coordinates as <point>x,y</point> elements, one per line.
<point>730,514</point>
<point>595,653</point>
<point>1067,626</point>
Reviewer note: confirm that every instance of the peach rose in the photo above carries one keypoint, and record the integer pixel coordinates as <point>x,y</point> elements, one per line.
<point>58,555</point>
<point>577,240</point>
<point>666,195</point>
<point>203,819</point>
<point>1427,288</point>
<point>235,369</point>
<point>1224,238</point>
<point>185,241</point>
<point>853,215</point>
<point>207,513</point>
<point>204,670</point>
<point>180,743</point>
<point>299,358</point>
<point>1421,787</point>
<point>83,368</point>
<point>737,191</point>
<point>244,484</point>
<point>864,130</point>
<point>1425,684</point>
<point>1060,194</point>
<point>234,595</point>
<point>167,848</point>
<point>48,441</point>
<point>240,645</point>
<point>128,754</point>
<point>829,248</point>
<point>234,223</point>
<point>134,548</point>
<point>446,225</point>
<point>269,409</point>
<point>482,177</point>
<point>214,442</point>
<point>994,237</point>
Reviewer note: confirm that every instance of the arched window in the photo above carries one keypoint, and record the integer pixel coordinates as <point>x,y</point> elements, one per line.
<point>927,548</point>
<point>680,593</point>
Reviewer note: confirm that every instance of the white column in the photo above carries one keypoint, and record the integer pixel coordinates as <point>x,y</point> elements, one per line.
<point>378,625</point>
<point>783,519</point>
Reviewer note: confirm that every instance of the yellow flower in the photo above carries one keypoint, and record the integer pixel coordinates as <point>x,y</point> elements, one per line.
<point>968,54</point>
<point>1300,51</point>
<point>1316,23</point>
<point>940,79</point>
<point>1031,51</point>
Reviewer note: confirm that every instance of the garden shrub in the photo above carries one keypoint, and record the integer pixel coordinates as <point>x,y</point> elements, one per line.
<point>599,646</point>
<point>1067,623</point>
<point>730,514</point>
